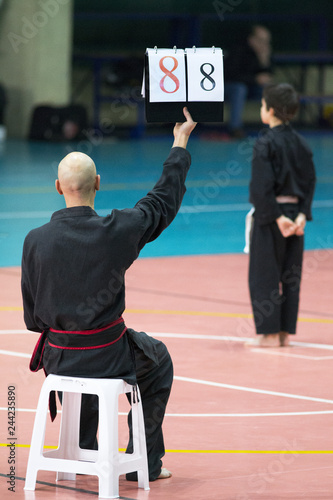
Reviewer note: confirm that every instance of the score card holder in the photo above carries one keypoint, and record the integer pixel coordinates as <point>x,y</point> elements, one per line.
<point>174,78</point>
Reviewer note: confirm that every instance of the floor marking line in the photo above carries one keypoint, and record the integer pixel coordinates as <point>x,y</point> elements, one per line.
<point>270,452</point>
<point>273,452</point>
<point>291,355</point>
<point>215,314</point>
<point>247,415</point>
<point>187,209</point>
<point>230,338</point>
<point>315,346</point>
<point>225,338</point>
<point>11,308</point>
<point>12,332</point>
<point>212,415</point>
<point>12,353</point>
<point>173,312</point>
<point>250,389</point>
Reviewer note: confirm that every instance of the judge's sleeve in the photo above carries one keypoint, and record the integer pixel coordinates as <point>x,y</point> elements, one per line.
<point>160,206</point>
<point>262,185</point>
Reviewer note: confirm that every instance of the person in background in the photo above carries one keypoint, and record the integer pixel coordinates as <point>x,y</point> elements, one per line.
<point>281,191</point>
<point>248,68</point>
<point>3,102</point>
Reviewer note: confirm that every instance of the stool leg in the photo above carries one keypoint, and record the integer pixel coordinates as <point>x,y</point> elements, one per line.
<point>139,440</point>
<point>108,447</point>
<point>37,440</point>
<point>108,484</point>
<point>69,432</point>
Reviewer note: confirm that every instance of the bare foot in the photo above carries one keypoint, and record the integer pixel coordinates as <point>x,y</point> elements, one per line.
<point>165,473</point>
<point>266,340</point>
<point>284,339</point>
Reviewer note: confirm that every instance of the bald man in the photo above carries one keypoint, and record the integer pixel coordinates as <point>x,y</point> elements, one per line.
<point>78,180</point>
<point>73,289</point>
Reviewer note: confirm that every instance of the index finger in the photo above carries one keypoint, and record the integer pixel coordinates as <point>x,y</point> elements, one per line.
<point>187,114</point>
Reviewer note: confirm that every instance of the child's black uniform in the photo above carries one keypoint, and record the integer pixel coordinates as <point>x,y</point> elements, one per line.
<point>282,165</point>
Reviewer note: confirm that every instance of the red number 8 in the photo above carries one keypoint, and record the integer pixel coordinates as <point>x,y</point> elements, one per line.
<point>169,74</point>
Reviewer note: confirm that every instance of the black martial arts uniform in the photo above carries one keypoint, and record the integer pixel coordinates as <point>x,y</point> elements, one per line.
<point>282,165</point>
<point>73,288</point>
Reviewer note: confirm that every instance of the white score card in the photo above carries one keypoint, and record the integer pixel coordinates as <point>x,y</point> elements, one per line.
<point>167,80</point>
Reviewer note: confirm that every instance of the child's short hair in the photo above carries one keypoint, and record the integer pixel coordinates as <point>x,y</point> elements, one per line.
<point>283,98</point>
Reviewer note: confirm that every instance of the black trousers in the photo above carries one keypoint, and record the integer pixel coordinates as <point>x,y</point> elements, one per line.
<point>154,378</point>
<point>275,276</point>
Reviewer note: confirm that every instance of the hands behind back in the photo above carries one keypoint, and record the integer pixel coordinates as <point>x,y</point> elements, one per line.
<point>300,222</point>
<point>289,227</point>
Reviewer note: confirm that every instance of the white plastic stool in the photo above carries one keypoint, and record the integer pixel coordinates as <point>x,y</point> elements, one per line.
<point>69,459</point>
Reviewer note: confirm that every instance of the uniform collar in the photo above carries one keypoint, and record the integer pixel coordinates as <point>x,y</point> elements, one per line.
<point>73,212</point>
<point>282,126</point>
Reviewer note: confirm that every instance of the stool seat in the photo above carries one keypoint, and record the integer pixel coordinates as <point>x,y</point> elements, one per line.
<point>69,459</point>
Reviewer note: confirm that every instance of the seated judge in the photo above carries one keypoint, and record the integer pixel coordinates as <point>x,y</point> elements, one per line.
<point>73,288</point>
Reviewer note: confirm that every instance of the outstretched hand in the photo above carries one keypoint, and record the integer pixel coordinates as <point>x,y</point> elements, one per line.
<point>182,131</point>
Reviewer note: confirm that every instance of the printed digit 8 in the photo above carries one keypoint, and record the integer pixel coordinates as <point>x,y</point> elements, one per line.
<point>170,74</point>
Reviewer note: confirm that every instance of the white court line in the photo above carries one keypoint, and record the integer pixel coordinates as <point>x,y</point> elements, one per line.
<point>225,338</point>
<point>250,389</point>
<point>12,353</point>
<point>185,209</point>
<point>229,338</point>
<point>25,215</point>
<point>237,207</point>
<point>215,384</point>
<point>314,346</point>
<point>12,332</point>
<point>209,415</point>
<point>290,355</point>
<point>282,414</point>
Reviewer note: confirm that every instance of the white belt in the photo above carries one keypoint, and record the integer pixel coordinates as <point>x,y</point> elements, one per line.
<point>248,228</point>
<point>287,199</point>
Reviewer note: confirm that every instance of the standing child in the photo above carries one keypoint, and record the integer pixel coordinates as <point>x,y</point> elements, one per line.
<point>281,191</point>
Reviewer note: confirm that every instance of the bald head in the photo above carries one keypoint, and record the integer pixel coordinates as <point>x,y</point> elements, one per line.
<point>77,179</point>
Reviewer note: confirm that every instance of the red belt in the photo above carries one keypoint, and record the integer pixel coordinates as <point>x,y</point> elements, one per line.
<point>87,339</point>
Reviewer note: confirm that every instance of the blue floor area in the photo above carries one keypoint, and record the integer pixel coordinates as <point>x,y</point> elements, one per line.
<point>211,219</point>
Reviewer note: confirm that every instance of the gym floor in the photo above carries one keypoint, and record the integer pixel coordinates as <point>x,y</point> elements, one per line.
<point>242,423</point>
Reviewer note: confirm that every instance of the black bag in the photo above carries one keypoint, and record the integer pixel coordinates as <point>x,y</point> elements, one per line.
<point>50,123</point>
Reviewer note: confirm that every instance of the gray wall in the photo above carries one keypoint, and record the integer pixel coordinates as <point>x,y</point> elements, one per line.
<point>35,57</point>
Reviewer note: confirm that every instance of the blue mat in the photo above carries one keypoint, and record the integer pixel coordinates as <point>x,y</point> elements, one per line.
<point>211,219</point>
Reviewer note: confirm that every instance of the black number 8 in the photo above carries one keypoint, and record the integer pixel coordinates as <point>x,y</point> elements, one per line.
<point>207,77</point>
